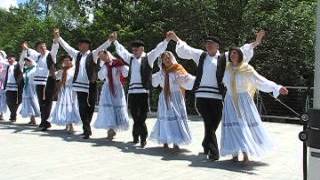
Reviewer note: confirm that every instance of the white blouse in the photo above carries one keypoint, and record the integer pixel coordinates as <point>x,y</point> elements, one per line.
<point>176,81</point>
<point>244,82</point>
<point>116,72</point>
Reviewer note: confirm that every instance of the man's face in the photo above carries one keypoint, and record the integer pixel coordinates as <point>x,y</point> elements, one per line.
<point>42,48</point>
<point>11,60</point>
<point>83,47</point>
<point>137,51</point>
<point>212,47</point>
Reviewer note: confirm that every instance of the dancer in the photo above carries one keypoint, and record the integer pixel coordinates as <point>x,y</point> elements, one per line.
<point>208,84</point>
<point>66,112</point>
<point>113,114</point>
<point>85,76</point>
<point>44,78</point>
<point>13,85</point>
<point>139,77</point>
<point>30,105</point>
<point>242,129</point>
<point>171,126</point>
<point>3,72</point>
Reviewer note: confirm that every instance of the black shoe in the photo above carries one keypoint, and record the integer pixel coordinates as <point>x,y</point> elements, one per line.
<point>41,125</point>
<point>46,127</point>
<point>13,119</point>
<point>212,157</point>
<point>206,151</point>
<point>143,144</point>
<point>86,136</point>
<point>135,140</point>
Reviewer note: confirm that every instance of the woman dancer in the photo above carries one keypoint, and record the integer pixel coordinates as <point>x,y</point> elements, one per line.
<point>66,111</point>
<point>30,105</point>
<point>242,129</point>
<point>113,114</point>
<point>171,126</point>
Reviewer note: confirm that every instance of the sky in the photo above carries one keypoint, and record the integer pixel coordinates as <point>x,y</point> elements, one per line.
<point>6,4</point>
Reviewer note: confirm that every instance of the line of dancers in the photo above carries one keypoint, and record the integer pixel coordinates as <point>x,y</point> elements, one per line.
<point>224,86</point>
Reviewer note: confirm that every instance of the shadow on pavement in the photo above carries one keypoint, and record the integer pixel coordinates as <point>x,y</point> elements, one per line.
<point>199,160</point>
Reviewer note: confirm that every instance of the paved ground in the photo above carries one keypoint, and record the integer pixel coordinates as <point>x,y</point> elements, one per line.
<point>26,153</point>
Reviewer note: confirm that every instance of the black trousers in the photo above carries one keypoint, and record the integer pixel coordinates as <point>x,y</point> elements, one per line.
<point>45,103</point>
<point>211,111</point>
<point>87,104</point>
<point>138,104</point>
<point>13,102</point>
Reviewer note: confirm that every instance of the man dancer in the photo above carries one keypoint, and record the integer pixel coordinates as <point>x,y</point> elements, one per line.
<point>13,85</point>
<point>140,75</point>
<point>207,86</point>
<point>84,82</point>
<point>44,78</point>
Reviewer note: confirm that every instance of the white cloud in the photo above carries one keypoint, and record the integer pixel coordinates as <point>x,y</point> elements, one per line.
<point>6,4</point>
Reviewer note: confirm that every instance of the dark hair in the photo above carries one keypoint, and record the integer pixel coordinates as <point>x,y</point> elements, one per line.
<point>27,59</point>
<point>85,40</point>
<point>66,57</point>
<point>238,50</point>
<point>137,43</point>
<point>11,56</point>
<point>39,43</point>
<point>213,39</point>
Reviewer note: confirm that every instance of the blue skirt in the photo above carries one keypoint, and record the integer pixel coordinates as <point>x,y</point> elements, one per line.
<point>30,105</point>
<point>244,132</point>
<point>171,126</point>
<point>113,112</point>
<point>3,102</point>
<point>66,110</point>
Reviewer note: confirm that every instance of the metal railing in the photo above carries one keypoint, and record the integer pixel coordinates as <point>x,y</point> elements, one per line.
<point>299,100</point>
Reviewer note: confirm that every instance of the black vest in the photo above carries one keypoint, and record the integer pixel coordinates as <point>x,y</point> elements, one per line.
<point>18,76</point>
<point>221,66</point>
<point>145,72</point>
<point>91,68</point>
<point>50,65</point>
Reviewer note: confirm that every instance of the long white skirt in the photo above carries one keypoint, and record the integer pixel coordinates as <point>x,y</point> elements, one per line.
<point>66,110</point>
<point>113,113</point>
<point>245,133</point>
<point>171,126</point>
<point>3,101</point>
<point>30,105</point>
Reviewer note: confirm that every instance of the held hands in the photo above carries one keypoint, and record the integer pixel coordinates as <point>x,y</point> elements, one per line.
<point>259,36</point>
<point>113,37</point>
<point>24,45</point>
<point>171,35</point>
<point>283,91</point>
<point>56,33</point>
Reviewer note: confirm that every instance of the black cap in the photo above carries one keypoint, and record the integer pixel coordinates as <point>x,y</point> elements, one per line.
<point>137,43</point>
<point>85,40</point>
<point>212,39</point>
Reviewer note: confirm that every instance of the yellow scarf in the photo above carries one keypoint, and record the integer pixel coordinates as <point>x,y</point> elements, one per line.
<point>173,68</point>
<point>243,69</point>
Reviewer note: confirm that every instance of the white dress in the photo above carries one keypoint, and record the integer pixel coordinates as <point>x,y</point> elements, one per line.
<point>245,132</point>
<point>30,105</point>
<point>66,110</point>
<point>113,113</point>
<point>171,126</point>
<point>3,102</point>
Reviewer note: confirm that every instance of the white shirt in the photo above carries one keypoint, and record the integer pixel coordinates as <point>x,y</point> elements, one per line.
<point>11,82</point>
<point>135,85</point>
<point>208,87</point>
<point>82,82</point>
<point>42,72</point>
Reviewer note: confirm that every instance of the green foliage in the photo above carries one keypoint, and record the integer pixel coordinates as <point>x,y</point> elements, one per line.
<point>288,49</point>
